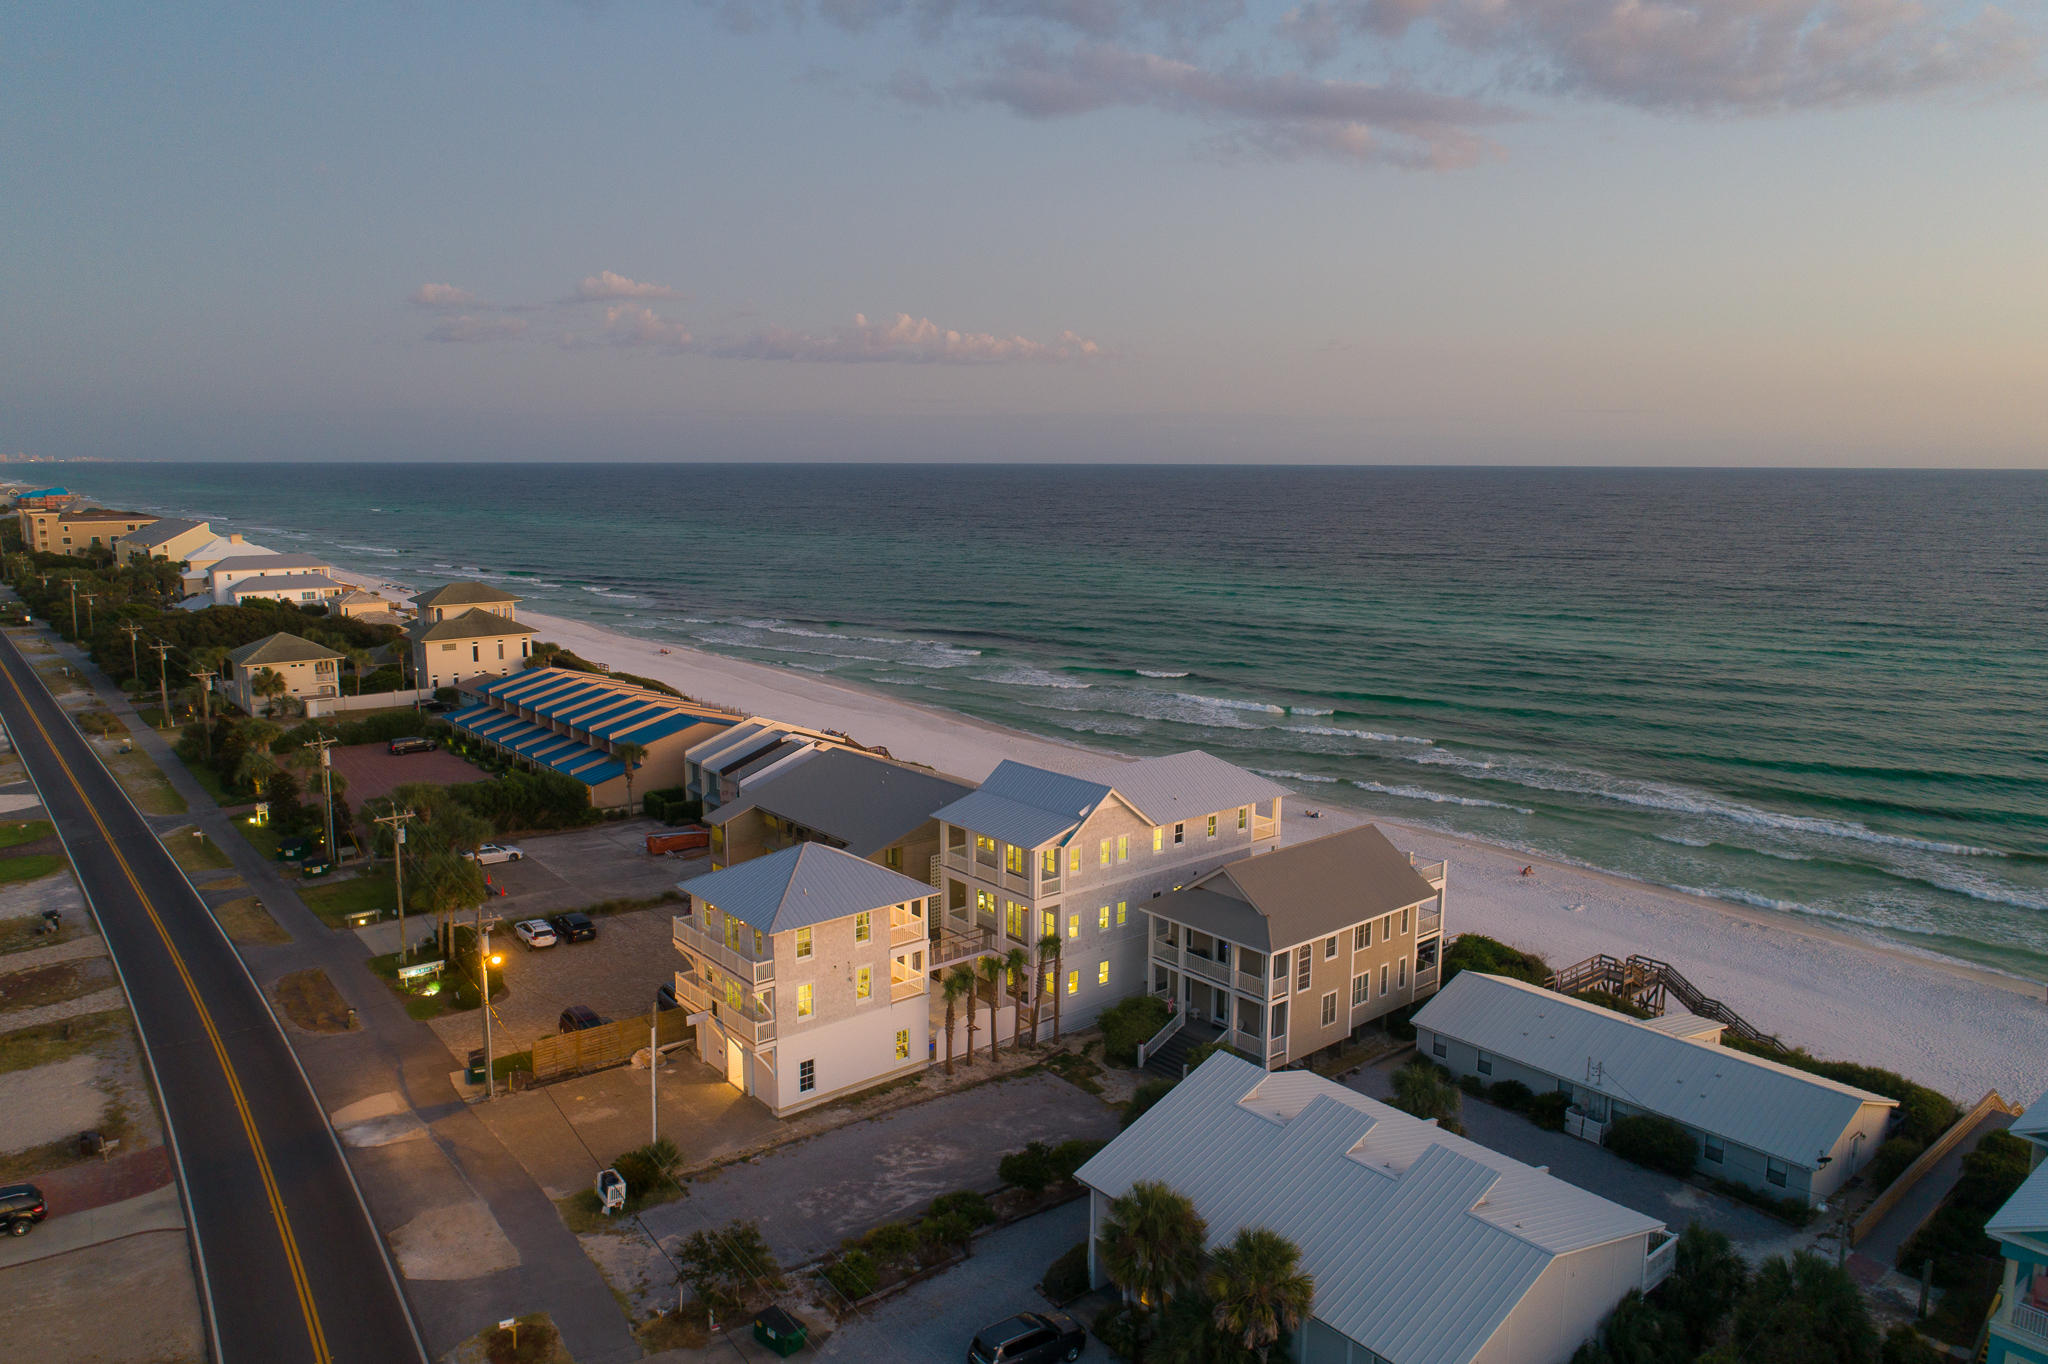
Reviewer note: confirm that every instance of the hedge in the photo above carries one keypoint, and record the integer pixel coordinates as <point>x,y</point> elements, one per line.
<point>1067,1277</point>
<point>1653,1141</point>
<point>1471,951</point>
<point>1129,1022</point>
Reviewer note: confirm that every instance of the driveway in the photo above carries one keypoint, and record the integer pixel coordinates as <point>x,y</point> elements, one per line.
<point>1672,1201</point>
<point>810,1195</point>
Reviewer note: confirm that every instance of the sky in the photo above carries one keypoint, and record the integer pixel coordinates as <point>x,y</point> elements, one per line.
<point>1635,232</point>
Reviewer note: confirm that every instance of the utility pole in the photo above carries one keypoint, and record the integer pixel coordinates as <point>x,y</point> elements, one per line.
<point>483,937</point>
<point>206,712</point>
<point>90,598</point>
<point>396,819</point>
<point>163,681</point>
<point>134,668</point>
<point>74,606</point>
<point>327,794</point>
<point>653,1062</point>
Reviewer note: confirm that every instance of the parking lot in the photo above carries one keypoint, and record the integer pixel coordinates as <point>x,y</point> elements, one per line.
<point>373,770</point>
<point>585,866</point>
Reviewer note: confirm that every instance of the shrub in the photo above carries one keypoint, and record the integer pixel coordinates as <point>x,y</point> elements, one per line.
<point>851,1274</point>
<point>1067,1277</point>
<point>1637,1331</point>
<point>1470,951</point>
<point>1149,1093</point>
<point>1613,1003</point>
<point>1891,1160</point>
<point>1904,1345</point>
<point>1425,1091</point>
<point>1197,1055</point>
<point>891,1244</point>
<point>1512,1095</point>
<point>1653,1141</point>
<point>1127,1023</point>
<point>939,1234</point>
<point>649,1167</point>
<point>724,1266</point>
<point>966,1204</point>
<point>1113,1327</point>
<point>1954,1237</point>
<point>448,695</point>
<point>532,1343</point>
<point>1472,1085</point>
<point>1547,1109</point>
<point>1070,1156</point>
<point>1029,1169</point>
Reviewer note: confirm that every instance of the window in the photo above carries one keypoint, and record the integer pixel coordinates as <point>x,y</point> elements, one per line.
<point>1050,864</point>
<point>1714,1150</point>
<point>1361,990</point>
<point>864,925</point>
<point>1329,947</point>
<point>1358,938</point>
<point>1365,934</point>
<point>1103,858</point>
<point>1212,826</point>
<point>1013,858</point>
<point>1242,812</point>
<point>1302,965</point>
<point>759,945</point>
<point>1123,847</point>
<point>1401,973</point>
<point>985,901</point>
<point>803,1001</point>
<point>806,1076</point>
<point>1383,977</point>
<point>1180,833</point>
<point>1404,923</point>
<point>1279,966</point>
<point>1776,1171</point>
<point>1074,859</point>
<point>474,655</point>
<point>1052,925</point>
<point>1073,982</point>
<point>1437,1047</point>
<point>984,844</point>
<point>1485,1064</point>
<point>1048,982</point>
<point>1102,918</point>
<point>1329,1008</point>
<point>1073,925</point>
<point>1102,973</point>
<point>803,943</point>
<point>1280,1021</point>
<point>956,896</point>
<point>1121,909</point>
<point>864,983</point>
<point>501,651</point>
<point>1387,927</point>
<point>903,1044</point>
<point>892,858</point>
<point>1159,838</point>
<point>1013,920</point>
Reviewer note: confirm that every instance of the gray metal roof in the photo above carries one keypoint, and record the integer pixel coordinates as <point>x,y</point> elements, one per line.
<point>2033,1123</point>
<point>1027,806</point>
<point>1012,821</point>
<point>800,886</point>
<point>864,801</point>
<point>1791,1114</point>
<point>475,623</point>
<point>1300,892</point>
<point>748,764</point>
<point>1420,1243</point>
<point>1183,786</point>
<point>1218,914</point>
<point>281,648</point>
<point>2026,1212</point>
<point>1688,1025</point>
<point>162,532</point>
<point>270,563</point>
<point>286,582</point>
<point>461,594</point>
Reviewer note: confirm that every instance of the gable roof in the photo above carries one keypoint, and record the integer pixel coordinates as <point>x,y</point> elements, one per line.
<point>162,532</point>
<point>1765,1105</point>
<point>801,886</point>
<point>1300,892</point>
<point>103,514</point>
<point>863,801</point>
<point>475,623</point>
<point>284,582</point>
<point>2033,1123</point>
<point>1183,786</point>
<point>271,563</point>
<point>1027,806</point>
<point>2026,1212</point>
<point>1420,1242</point>
<point>280,648</point>
<point>461,594</point>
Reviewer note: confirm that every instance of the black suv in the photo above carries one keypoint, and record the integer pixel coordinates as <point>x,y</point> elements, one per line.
<point>1031,1338</point>
<point>577,1017</point>
<point>574,926</point>
<point>21,1207</point>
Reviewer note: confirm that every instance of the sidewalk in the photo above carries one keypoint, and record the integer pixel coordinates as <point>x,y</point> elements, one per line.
<point>157,1210</point>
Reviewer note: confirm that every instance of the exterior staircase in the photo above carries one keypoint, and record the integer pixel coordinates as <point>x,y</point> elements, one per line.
<point>1172,1054</point>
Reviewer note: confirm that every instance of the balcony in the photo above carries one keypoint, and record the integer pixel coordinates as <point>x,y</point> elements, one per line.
<point>688,933</point>
<point>691,992</point>
<point>958,944</point>
<point>1255,986</point>
<point>1213,971</point>
<point>1264,829</point>
<point>2028,1320</point>
<point>1428,922</point>
<point>1432,872</point>
<point>749,1024</point>
<point>906,931</point>
<point>900,990</point>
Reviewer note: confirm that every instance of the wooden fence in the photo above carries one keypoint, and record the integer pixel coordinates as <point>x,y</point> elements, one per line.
<point>609,1044</point>
<point>1948,1141</point>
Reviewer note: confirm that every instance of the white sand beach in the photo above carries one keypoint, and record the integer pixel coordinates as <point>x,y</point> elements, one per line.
<point>1958,1028</point>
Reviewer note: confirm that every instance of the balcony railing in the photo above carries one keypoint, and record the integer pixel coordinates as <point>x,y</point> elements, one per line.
<point>2030,1320</point>
<point>1428,922</point>
<point>1658,1264</point>
<point>1252,985</point>
<point>750,1024</point>
<point>957,944</point>
<point>1263,829</point>
<point>1432,872</point>
<point>691,991</point>
<point>688,933</point>
<point>908,929</point>
<point>1208,970</point>
<point>900,990</point>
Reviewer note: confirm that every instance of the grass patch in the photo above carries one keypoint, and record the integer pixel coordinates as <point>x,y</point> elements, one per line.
<point>26,1048</point>
<point>29,867</point>
<point>533,1341</point>
<point>24,831</point>
<point>56,1155</point>
<point>145,783</point>
<point>19,935</point>
<point>583,1214</point>
<point>1076,1070</point>
<point>53,984</point>
<point>334,901</point>
<point>195,852</point>
<point>310,1000</point>
<point>246,920</point>
<point>671,1332</point>
<point>458,993</point>
<point>150,716</point>
<point>210,782</point>
<point>60,678</point>
<point>97,720</point>
<point>261,837</point>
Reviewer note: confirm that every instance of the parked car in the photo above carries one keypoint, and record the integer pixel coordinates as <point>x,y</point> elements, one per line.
<point>496,852</point>
<point>577,1017</point>
<point>412,743</point>
<point>1029,1338</point>
<point>437,707</point>
<point>575,926</point>
<point>535,932</point>
<point>21,1207</point>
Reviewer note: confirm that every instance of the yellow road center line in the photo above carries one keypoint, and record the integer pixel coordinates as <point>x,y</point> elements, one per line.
<point>314,1332</point>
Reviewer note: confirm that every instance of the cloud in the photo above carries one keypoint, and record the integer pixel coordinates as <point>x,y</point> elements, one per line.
<point>468,327</point>
<point>934,19</point>
<point>441,296</point>
<point>606,285</point>
<point>906,340</point>
<point>627,325</point>
<point>1286,115</point>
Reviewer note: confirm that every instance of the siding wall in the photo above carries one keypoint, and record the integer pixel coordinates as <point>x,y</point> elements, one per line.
<point>1391,947</point>
<point>1563,1308</point>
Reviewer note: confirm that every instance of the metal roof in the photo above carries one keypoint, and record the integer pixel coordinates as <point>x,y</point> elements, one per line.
<point>1300,892</point>
<point>1688,1025</point>
<point>1027,806</point>
<point>270,563</point>
<point>163,531</point>
<point>281,648</point>
<point>800,886</point>
<point>2033,1124</point>
<point>2026,1212</point>
<point>1184,786</point>
<point>475,623</point>
<point>286,582</point>
<point>864,801</point>
<point>1791,1114</point>
<point>591,766</point>
<point>461,594</point>
<point>1420,1242</point>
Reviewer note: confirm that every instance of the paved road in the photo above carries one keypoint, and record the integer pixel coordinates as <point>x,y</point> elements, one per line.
<point>290,1263</point>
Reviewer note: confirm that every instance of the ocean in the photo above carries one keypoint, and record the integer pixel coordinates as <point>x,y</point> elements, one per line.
<point>1814,693</point>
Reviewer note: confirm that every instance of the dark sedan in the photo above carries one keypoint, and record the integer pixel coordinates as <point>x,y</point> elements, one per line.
<point>1029,1338</point>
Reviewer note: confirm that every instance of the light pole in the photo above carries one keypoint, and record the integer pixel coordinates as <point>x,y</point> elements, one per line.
<point>653,1060</point>
<point>90,598</point>
<point>484,963</point>
<point>74,606</point>
<point>327,794</point>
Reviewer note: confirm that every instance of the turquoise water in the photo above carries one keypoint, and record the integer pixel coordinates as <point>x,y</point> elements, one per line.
<point>1816,693</point>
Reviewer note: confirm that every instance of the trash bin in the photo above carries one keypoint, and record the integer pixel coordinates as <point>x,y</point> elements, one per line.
<point>779,1331</point>
<point>475,1073</point>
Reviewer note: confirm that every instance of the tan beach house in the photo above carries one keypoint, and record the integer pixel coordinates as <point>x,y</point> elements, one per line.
<point>1033,854</point>
<point>1288,952</point>
<point>77,531</point>
<point>308,670</point>
<point>804,973</point>
<point>171,539</point>
<point>465,632</point>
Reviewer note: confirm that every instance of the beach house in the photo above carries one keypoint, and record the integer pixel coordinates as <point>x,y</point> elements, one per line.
<point>2018,1332</point>
<point>804,974</point>
<point>580,724</point>
<point>873,807</point>
<point>74,530</point>
<point>222,577</point>
<point>171,539</point>
<point>1425,1248</point>
<point>1754,1122</point>
<point>1290,951</point>
<point>466,631</point>
<point>308,670</point>
<point>717,768</point>
<point>1034,854</point>
<point>43,499</point>
<point>296,589</point>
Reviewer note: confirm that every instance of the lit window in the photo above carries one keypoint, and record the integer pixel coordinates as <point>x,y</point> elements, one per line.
<point>903,1044</point>
<point>1329,1008</point>
<point>1048,982</point>
<point>1102,974</point>
<point>864,983</point>
<point>760,944</point>
<point>1074,859</point>
<point>1013,858</point>
<point>893,858</point>
<point>984,844</point>
<point>803,1001</point>
<point>1361,990</point>
<point>806,1076</point>
<point>1122,908</point>
<point>1052,925</point>
<point>1073,982</point>
<point>1073,925</point>
<point>985,901</point>
<point>1102,918</point>
<point>1242,812</point>
<point>1052,863</point>
<point>1013,920</point>
<point>863,925</point>
<point>1159,838</point>
<point>1103,857</point>
<point>1212,826</point>
<point>1123,847</point>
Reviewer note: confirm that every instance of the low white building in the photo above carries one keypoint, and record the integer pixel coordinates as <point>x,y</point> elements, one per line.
<point>1425,1248</point>
<point>1779,1130</point>
<point>297,589</point>
<point>225,573</point>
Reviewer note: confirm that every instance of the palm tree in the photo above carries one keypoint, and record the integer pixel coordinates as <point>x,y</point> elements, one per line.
<point>1058,946</point>
<point>1259,1288</point>
<point>992,974</point>
<point>963,976</point>
<point>255,766</point>
<point>632,755</point>
<point>1048,953</point>
<point>269,684</point>
<point>358,663</point>
<point>1151,1243</point>
<point>1017,970</point>
<point>952,987</point>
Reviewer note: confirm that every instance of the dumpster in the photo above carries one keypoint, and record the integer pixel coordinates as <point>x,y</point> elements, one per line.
<point>475,1071</point>
<point>294,849</point>
<point>779,1331</point>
